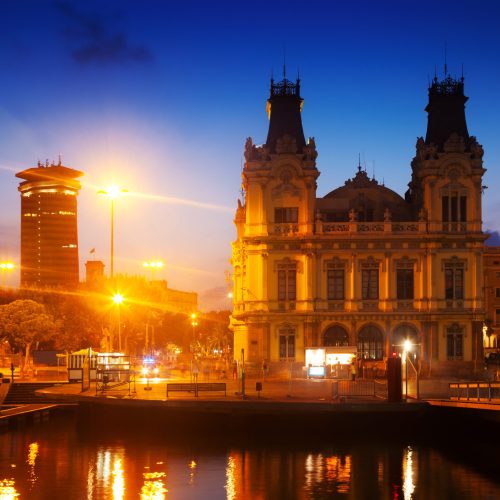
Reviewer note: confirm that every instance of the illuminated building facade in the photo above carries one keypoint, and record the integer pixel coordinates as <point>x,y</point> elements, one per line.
<point>491,334</point>
<point>49,230</point>
<point>361,269</point>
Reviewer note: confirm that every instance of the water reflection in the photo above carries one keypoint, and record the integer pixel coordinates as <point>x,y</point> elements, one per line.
<point>118,480</point>
<point>56,462</point>
<point>8,490</point>
<point>408,486</point>
<point>154,486</point>
<point>230,478</point>
<point>32,456</point>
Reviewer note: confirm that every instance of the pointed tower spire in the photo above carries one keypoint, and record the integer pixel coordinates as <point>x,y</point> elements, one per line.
<point>284,110</point>
<point>446,111</point>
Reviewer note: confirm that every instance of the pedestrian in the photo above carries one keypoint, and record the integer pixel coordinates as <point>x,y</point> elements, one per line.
<point>353,370</point>
<point>235,370</point>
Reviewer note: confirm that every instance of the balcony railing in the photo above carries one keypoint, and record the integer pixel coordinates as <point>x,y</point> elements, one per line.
<point>288,229</point>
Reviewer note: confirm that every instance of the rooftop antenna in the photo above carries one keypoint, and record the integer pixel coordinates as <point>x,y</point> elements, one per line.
<point>462,79</point>
<point>284,62</point>
<point>435,73</point>
<point>59,163</point>
<point>359,162</point>
<point>373,172</point>
<point>445,65</point>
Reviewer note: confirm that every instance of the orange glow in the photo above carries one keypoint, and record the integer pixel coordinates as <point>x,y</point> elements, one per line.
<point>154,263</point>
<point>118,480</point>
<point>118,298</point>
<point>154,486</point>
<point>112,191</point>
<point>8,490</point>
<point>230,485</point>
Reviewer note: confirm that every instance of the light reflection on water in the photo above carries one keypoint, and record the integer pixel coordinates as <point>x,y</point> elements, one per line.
<point>54,461</point>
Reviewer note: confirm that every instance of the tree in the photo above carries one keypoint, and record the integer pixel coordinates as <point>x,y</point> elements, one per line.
<point>24,322</point>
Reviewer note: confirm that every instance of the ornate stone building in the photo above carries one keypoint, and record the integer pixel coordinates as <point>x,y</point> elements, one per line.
<point>362,269</point>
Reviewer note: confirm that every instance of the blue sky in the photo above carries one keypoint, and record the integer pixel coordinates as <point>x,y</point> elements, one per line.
<point>159,96</point>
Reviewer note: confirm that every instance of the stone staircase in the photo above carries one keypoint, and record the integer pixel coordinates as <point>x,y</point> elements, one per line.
<point>24,393</point>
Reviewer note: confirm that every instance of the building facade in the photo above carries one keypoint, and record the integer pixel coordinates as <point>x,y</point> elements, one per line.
<point>49,229</point>
<point>491,332</point>
<point>361,269</point>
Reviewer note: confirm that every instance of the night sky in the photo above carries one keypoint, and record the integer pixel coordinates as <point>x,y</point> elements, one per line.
<point>159,96</point>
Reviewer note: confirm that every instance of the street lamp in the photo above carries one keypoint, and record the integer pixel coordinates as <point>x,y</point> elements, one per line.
<point>153,265</point>
<point>118,300</point>
<point>113,192</point>
<point>194,323</point>
<point>5,267</point>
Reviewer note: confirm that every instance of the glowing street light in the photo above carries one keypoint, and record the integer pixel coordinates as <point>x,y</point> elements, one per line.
<point>5,267</point>
<point>153,265</point>
<point>118,300</point>
<point>194,323</point>
<point>112,192</point>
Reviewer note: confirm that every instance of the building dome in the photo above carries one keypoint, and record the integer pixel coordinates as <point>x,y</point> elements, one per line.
<point>363,199</point>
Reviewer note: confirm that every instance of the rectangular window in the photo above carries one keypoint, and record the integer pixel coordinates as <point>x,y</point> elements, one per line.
<point>286,214</point>
<point>287,286</point>
<point>287,345</point>
<point>445,212</point>
<point>454,283</point>
<point>404,284</point>
<point>463,208</point>
<point>454,209</point>
<point>497,293</point>
<point>454,346</point>
<point>369,284</point>
<point>335,284</point>
<point>497,317</point>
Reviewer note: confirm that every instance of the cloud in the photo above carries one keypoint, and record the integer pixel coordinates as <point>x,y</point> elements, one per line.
<point>494,239</point>
<point>95,41</point>
<point>214,299</point>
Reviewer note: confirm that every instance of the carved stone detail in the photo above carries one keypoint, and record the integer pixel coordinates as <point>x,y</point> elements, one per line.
<point>286,144</point>
<point>310,152</point>
<point>454,144</point>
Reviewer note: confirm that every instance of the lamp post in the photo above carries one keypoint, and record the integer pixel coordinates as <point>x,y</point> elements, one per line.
<point>5,267</point>
<point>194,324</point>
<point>153,265</point>
<point>118,300</point>
<point>407,345</point>
<point>113,192</point>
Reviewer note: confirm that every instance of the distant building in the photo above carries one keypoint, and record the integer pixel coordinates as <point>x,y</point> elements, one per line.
<point>94,271</point>
<point>180,301</point>
<point>362,269</point>
<point>49,230</point>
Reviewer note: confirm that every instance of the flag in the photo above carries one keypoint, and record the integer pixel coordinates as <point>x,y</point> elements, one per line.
<point>92,251</point>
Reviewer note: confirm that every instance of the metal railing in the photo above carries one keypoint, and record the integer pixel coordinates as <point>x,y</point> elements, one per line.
<point>359,388</point>
<point>474,391</point>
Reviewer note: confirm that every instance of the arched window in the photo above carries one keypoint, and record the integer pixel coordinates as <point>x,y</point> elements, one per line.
<point>371,343</point>
<point>335,336</point>
<point>403,333</point>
